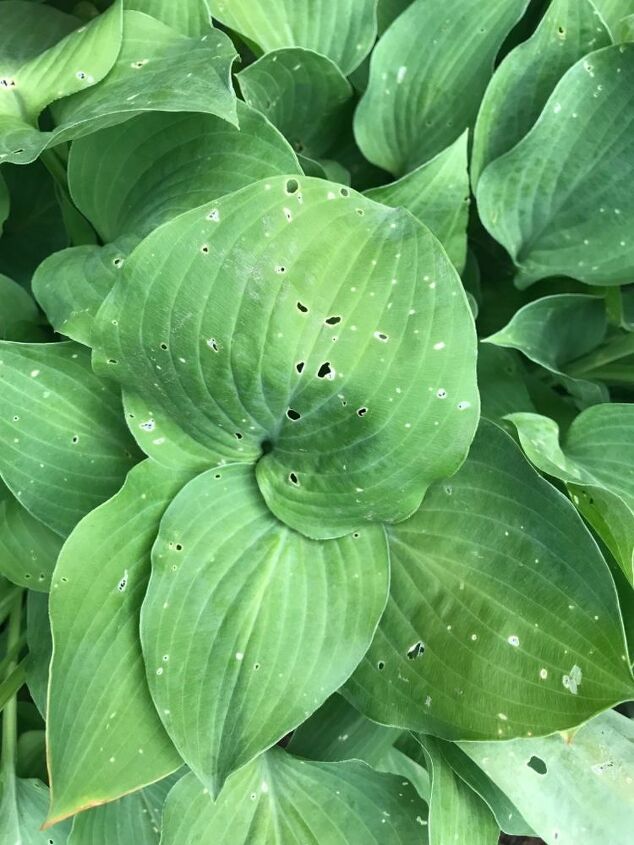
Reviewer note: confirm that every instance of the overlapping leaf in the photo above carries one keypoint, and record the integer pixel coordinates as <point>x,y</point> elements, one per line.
<point>343,30</point>
<point>65,448</point>
<point>424,91</point>
<point>279,799</point>
<point>104,736</point>
<point>437,193</point>
<point>558,200</point>
<point>291,296</point>
<point>595,461</point>
<point>502,619</point>
<point>22,812</point>
<point>520,87</point>
<point>248,626</point>
<point>301,92</point>
<point>158,69</point>
<point>571,788</point>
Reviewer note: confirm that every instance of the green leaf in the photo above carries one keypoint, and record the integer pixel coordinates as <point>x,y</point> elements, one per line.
<point>160,165</point>
<point>506,814</point>
<point>301,92</point>
<point>526,78</point>
<point>594,460</point>
<point>571,788</point>
<point>248,624</point>
<point>189,17</point>
<point>22,812</point>
<point>502,619</point>
<point>104,737</point>
<point>158,69</point>
<point>33,79</point>
<point>138,817</point>
<point>40,643</point>
<point>65,448</point>
<point>35,227</point>
<point>339,732</point>
<point>279,799</point>
<point>389,10</point>
<point>19,315</point>
<point>613,12</point>
<point>4,202</point>
<point>343,30</point>
<point>559,201</point>
<point>424,92</point>
<point>556,330</point>
<point>72,284</point>
<point>456,812</point>
<point>437,193</point>
<point>303,292</point>
<point>28,549</point>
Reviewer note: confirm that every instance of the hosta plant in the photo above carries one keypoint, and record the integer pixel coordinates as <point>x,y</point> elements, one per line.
<point>316,422</point>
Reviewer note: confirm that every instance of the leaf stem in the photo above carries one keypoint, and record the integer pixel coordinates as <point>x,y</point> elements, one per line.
<point>10,714</point>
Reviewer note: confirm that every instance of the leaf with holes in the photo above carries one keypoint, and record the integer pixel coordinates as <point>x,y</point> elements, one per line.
<point>99,707</point>
<point>571,788</point>
<point>496,570</point>
<point>292,294</point>
<point>65,448</point>
<point>279,799</point>
<point>249,624</point>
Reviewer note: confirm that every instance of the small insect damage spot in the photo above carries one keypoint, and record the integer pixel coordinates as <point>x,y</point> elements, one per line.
<point>416,650</point>
<point>381,336</point>
<point>326,371</point>
<point>293,479</point>
<point>205,249</point>
<point>293,415</point>
<point>537,765</point>
<point>344,192</point>
<point>301,307</point>
<point>299,366</point>
<point>212,344</point>
<point>292,186</point>
<point>214,215</point>
<point>332,321</point>
<point>238,435</point>
<point>123,583</point>
<point>361,412</point>
<point>572,681</point>
<point>380,665</point>
<point>280,269</point>
<point>118,261</point>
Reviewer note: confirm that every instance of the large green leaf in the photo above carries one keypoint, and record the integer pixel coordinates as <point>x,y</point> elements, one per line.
<point>248,626</point>
<point>159,165</point>
<point>572,788</point>
<point>613,12</point>
<point>595,461</point>
<point>437,193</point>
<point>456,813</point>
<point>189,17</point>
<point>343,30</point>
<point>135,819</point>
<point>279,799</point>
<point>103,735</point>
<point>502,619</point>
<point>65,448</point>
<point>28,549</point>
<point>556,330</point>
<point>22,812</point>
<point>35,74</point>
<point>339,732</point>
<point>501,381</point>
<point>301,92</point>
<point>424,89</point>
<point>521,85</point>
<point>560,201</point>
<point>328,327</point>
<point>158,69</point>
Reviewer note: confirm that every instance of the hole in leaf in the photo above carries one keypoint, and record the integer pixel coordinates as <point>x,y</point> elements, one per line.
<point>362,412</point>
<point>344,192</point>
<point>416,650</point>
<point>332,321</point>
<point>380,665</point>
<point>292,186</point>
<point>238,435</point>
<point>299,366</point>
<point>537,765</point>
<point>293,479</point>
<point>178,547</point>
<point>325,370</point>
<point>293,415</point>
<point>164,347</point>
<point>301,307</point>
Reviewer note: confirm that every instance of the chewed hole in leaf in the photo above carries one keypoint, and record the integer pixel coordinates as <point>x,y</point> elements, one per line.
<point>537,765</point>
<point>332,321</point>
<point>416,650</point>
<point>325,371</point>
<point>299,366</point>
<point>293,415</point>
<point>292,477</point>
<point>292,186</point>
<point>361,412</point>
<point>303,308</point>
